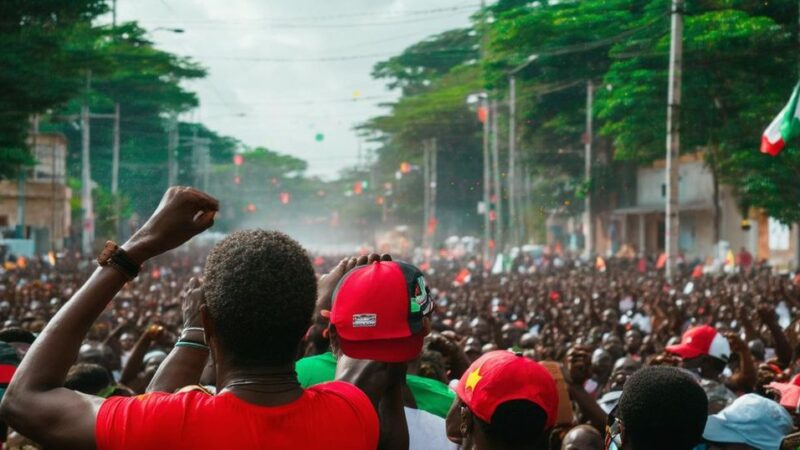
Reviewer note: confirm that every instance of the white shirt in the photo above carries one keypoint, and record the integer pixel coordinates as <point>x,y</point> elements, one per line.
<point>426,431</point>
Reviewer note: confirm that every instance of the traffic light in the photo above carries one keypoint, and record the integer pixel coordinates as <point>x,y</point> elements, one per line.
<point>483,114</point>
<point>358,189</point>
<point>238,160</point>
<point>284,198</point>
<point>237,180</point>
<point>405,167</point>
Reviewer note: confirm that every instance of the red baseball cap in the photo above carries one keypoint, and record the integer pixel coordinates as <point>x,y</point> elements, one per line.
<point>501,376</point>
<point>702,340</point>
<point>790,395</point>
<point>378,310</point>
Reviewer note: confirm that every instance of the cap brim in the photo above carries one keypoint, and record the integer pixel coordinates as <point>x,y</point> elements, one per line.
<point>790,394</point>
<point>384,350</point>
<point>684,351</point>
<point>717,431</point>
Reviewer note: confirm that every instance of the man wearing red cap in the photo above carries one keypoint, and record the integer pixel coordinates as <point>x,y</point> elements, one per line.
<point>380,314</point>
<point>504,401</point>
<point>705,352</point>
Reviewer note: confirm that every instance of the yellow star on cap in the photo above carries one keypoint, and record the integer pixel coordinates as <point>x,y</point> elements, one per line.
<point>473,378</point>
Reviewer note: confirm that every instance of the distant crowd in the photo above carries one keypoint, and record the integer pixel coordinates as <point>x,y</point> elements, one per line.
<point>257,344</point>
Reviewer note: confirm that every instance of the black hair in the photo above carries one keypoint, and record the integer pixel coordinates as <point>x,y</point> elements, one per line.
<point>88,378</point>
<point>260,289</point>
<point>515,423</point>
<point>16,334</point>
<point>663,408</point>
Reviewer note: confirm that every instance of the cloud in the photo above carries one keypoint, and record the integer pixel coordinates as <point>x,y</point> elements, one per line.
<point>288,103</point>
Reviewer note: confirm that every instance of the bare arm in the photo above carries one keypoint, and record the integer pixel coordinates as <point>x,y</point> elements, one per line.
<point>134,364</point>
<point>588,405</point>
<point>35,402</point>
<point>383,384</point>
<point>782,347</point>
<point>744,379</point>
<point>184,365</point>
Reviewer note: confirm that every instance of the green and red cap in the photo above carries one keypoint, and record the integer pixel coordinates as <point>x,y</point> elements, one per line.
<point>378,311</point>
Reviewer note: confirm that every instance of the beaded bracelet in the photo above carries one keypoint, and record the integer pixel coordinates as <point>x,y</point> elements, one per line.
<point>194,345</point>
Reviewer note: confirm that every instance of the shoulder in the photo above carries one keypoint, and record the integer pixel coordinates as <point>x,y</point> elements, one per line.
<point>341,390</point>
<point>187,396</point>
<point>123,421</point>
<point>348,408</point>
<point>344,397</point>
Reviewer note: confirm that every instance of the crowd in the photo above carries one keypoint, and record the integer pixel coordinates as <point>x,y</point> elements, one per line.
<point>255,344</point>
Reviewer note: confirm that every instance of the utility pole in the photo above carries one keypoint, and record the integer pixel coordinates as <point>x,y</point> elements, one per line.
<point>512,155</point>
<point>588,229</point>
<point>172,148</point>
<point>526,202</point>
<point>115,169</point>
<point>426,192</point>
<point>200,160</point>
<point>87,236</point>
<point>20,232</point>
<point>486,182</point>
<point>498,188</point>
<point>433,151</point>
<point>673,137</point>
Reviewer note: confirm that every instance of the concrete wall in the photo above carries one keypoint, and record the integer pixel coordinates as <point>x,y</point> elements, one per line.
<point>695,184</point>
<point>46,206</point>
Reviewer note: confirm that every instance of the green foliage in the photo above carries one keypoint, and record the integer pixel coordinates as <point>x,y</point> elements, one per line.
<point>740,62</point>
<point>45,42</point>
<point>435,76</point>
<point>736,58</point>
<point>146,82</point>
<point>421,64</point>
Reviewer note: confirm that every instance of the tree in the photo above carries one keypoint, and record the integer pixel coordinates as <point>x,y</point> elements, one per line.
<point>435,78</point>
<point>735,57</point>
<point>146,82</point>
<point>44,42</point>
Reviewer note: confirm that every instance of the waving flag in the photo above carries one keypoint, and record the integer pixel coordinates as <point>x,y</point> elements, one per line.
<point>784,127</point>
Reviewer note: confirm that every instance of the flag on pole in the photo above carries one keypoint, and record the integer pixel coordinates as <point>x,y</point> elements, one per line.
<point>785,126</point>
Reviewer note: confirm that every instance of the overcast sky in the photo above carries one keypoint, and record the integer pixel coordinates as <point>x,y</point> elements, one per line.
<point>269,83</point>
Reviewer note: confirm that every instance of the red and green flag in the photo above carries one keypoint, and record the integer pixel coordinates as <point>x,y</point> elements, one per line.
<point>784,127</point>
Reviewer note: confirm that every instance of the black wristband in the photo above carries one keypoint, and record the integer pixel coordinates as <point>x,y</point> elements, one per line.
<point>120,260</point>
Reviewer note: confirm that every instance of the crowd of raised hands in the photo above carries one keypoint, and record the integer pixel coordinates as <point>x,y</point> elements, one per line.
<point>736,334</point>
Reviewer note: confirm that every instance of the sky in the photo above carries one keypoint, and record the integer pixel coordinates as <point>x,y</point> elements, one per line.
<point>283,71</point>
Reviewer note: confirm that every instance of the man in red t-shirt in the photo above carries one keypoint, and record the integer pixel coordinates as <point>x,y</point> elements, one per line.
<point>256,304</point>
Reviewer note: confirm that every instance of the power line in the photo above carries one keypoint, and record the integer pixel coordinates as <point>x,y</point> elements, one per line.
<point>453,52</point>
<point>278,25</point>
<point>292,19</point>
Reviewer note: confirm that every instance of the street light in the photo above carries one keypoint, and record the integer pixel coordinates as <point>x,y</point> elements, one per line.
<point>512,147</point>
<point>171,30</point>
<point>480,100</point>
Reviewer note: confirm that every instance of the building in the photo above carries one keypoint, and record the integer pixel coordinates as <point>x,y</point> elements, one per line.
<point>37,207</point>
<point>642,225</point>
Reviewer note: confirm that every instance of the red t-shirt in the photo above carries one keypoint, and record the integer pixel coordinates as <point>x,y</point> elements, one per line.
<point>330,415</point>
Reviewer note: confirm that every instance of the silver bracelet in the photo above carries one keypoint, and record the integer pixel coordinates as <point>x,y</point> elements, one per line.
<point>190,329</point>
